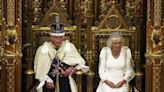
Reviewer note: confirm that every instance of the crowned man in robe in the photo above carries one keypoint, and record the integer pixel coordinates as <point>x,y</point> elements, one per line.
<point>55,62</point>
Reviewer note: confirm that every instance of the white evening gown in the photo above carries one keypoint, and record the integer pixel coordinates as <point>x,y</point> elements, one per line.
<point>112,70</point>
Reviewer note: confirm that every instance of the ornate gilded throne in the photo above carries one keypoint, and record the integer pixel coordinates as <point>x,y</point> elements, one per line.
<point>89,41</point>
<point>88,24</point>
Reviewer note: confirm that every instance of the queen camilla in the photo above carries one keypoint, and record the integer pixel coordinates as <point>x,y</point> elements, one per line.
<point>115,65</point>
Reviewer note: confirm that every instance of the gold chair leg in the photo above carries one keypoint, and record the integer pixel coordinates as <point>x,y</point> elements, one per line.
<point>90,82</point>
<point>79,80</point>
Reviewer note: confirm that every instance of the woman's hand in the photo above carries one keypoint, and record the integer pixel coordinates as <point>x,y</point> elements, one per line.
<point>68,71</point>
<point>50,85</point>
<point>119,84</point>
<point>110,84</point>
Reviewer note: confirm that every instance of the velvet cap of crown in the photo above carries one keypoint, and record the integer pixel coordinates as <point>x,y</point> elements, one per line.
<point>57,28</point>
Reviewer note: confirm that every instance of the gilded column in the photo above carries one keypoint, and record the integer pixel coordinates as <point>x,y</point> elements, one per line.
<point>11,12</point>
<point>154,50</point>
<point>157,12</point>
<point>1,11</point>
<point>77,17</point>
<point>19,10</point>
<point>11,45</point>
<point>87,20</point>
<point>79,80</point>
<point>11,57</point>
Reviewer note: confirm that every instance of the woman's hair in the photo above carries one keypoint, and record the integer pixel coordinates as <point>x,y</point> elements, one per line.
<point>114,36</point>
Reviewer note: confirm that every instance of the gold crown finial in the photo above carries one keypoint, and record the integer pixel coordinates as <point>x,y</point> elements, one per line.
<point>113,1</point>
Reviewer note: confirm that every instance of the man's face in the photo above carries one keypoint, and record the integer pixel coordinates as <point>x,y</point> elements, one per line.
<point>57,40</point>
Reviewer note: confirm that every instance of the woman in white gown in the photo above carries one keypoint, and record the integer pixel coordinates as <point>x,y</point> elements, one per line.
<point>115,68</point>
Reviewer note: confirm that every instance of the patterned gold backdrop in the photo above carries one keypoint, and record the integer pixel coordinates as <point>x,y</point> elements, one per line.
<point>88,24</point>
<point>93,21</point>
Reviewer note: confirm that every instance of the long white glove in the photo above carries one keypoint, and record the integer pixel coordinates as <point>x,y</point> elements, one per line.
<point>83,68</point>
<point>41,84</point>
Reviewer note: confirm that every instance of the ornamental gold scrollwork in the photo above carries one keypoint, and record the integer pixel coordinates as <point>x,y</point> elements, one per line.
<point>104,5</point>
<point>86,8</point>
<point>154,42</point>
<point>157,38</point>
<point>113,22</point>
<point>11,38</point>
<point>133,4</point>
<point>37,11</point>
<point>57,7</point>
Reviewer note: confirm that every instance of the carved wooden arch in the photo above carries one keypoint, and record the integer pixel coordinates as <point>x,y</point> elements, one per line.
<point>112,16</point>
<point>54,8</point>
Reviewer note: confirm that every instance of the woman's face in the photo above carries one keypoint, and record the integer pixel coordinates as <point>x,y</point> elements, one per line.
<point>116,45</point>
